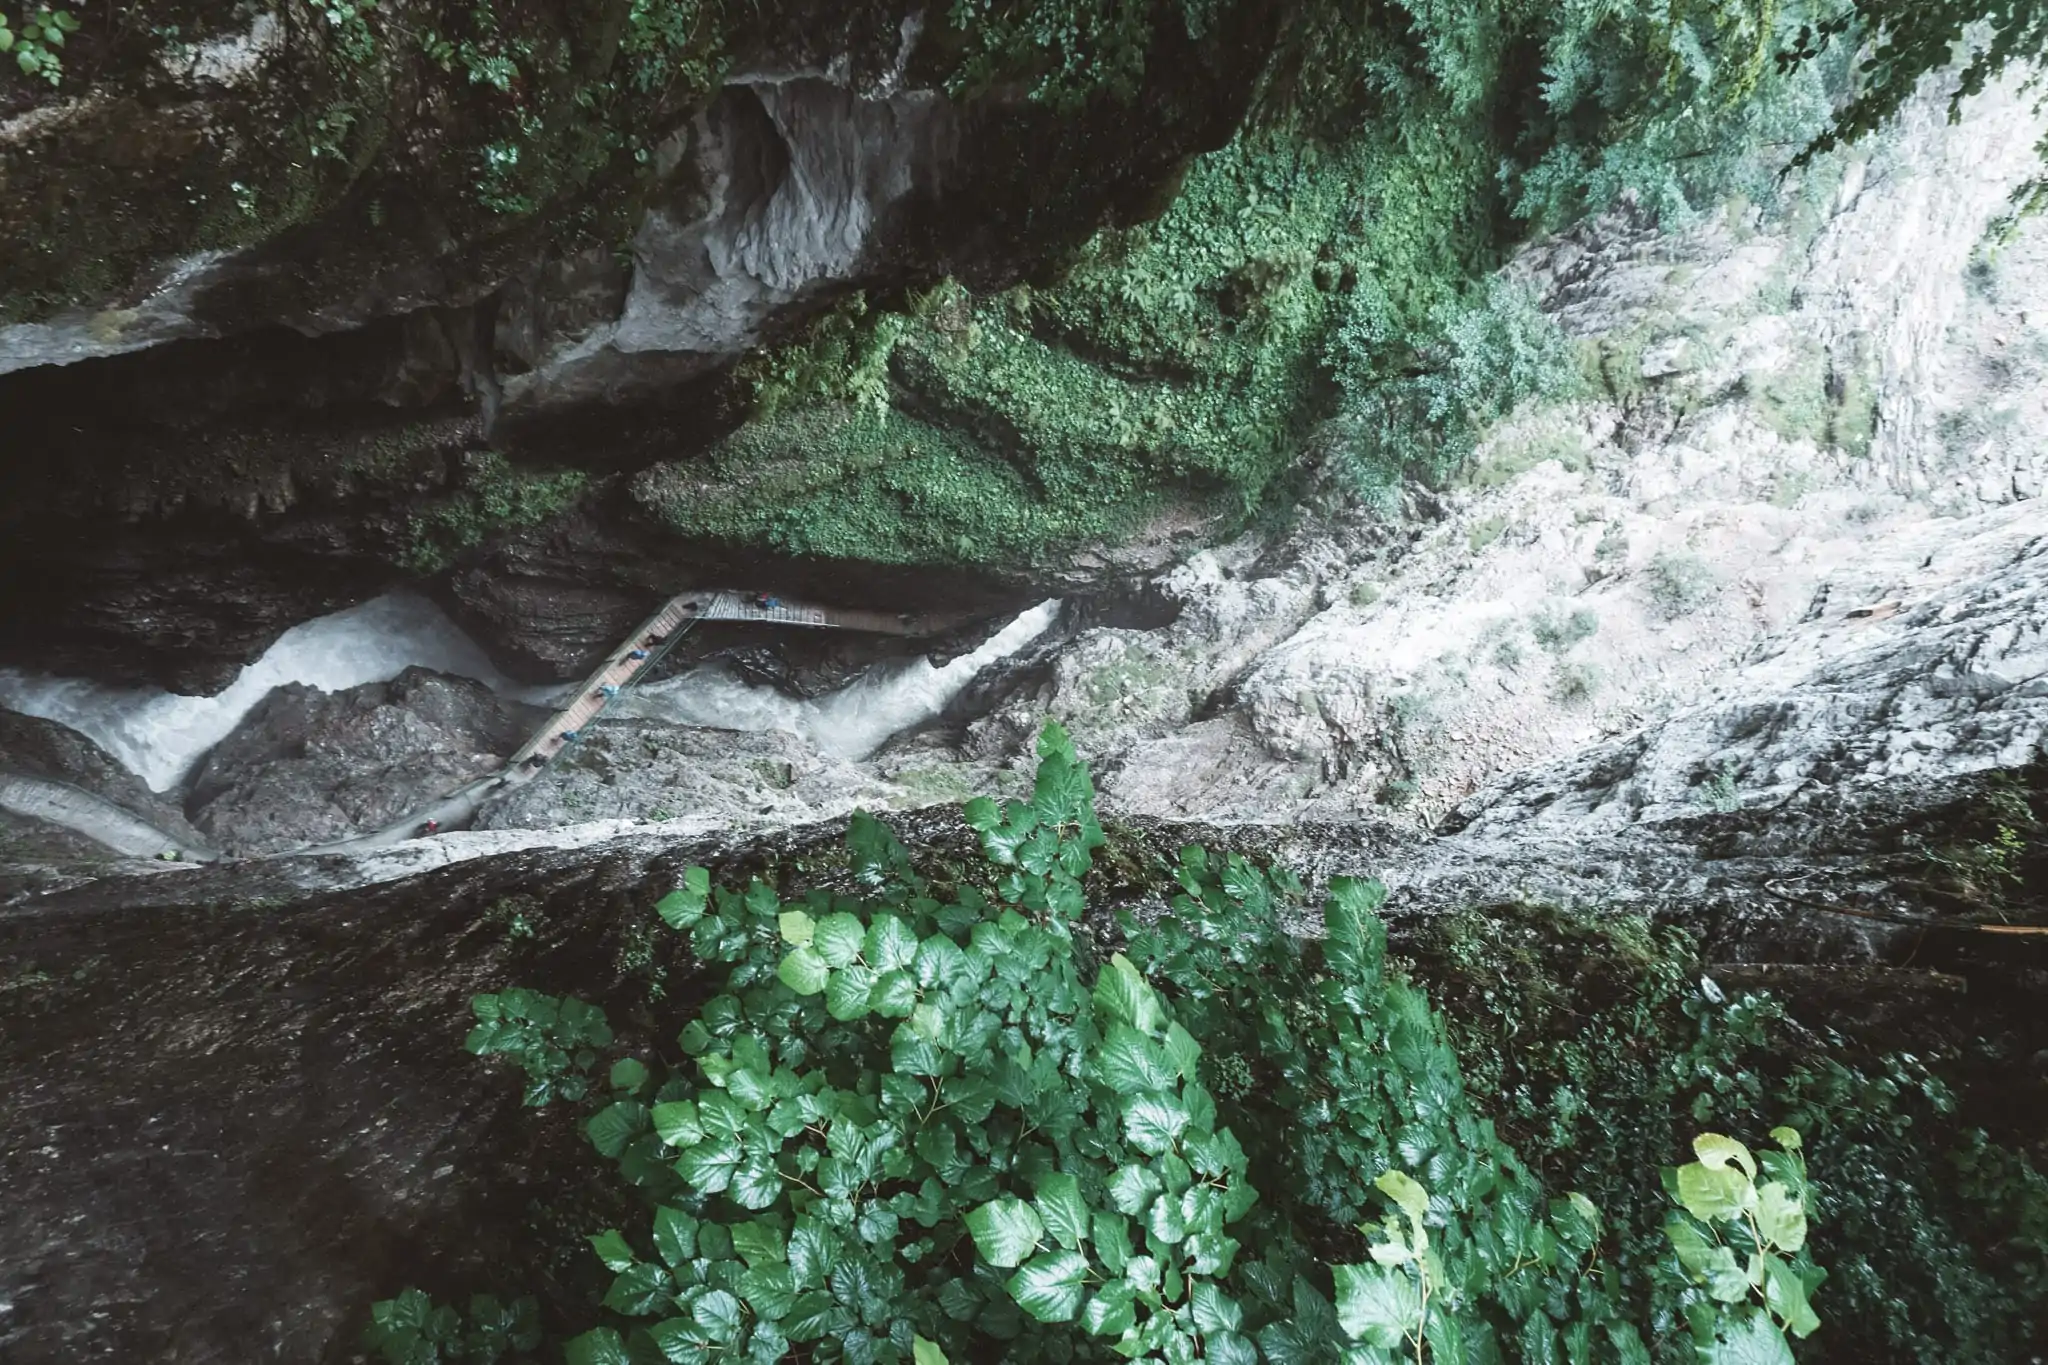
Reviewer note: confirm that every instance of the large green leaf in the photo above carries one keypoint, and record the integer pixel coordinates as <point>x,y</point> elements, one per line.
<point>838,939</point>
<point>756,1183</point>
<point>675,1235</point>
<point>718,1313</point>
<point>1005,1231</point>
<point>1780,1216</point>
<point>677,1123</point>
<point>1049,1286</point>
<point>1785,1295</point>
<point>1403,1189</point>
<point>1214,1310</point>
<point>894,995</point>
<point>1153,1123</point>
<point>613,1126</point>
<point>758,1242</point>
<point>611,1248</point>
<point>1128,1062</point>
<point>639,1290</point>
<point>599,1347</point>
<point>1376,1304</point>
<point>1123,996</point>
<point>1716,1152</point>
<point>1712,1193</point>
<point>1132,1187</point>
<point>1059,1207</point>
<point>709,1165</point>
<point>924,1352</point>
<point>804,971</point>
<point>848,994</point>
<point>890,944</point>
<point>1112,1311</point>
<point>1746,1338</point>
<point>1709,1263</point>
<point>797,927</point>
<point>684,906</point>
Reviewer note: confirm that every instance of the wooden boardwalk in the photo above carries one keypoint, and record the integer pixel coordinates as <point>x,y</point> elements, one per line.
<point>626,664</point>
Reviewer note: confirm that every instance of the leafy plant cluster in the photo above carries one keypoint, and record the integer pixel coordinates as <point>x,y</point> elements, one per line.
<point>1743,1245</point>
<point>1330,262</point>
<point>941,1120</point>
<point>492,494</point>
<point>1605,1047</point>
<point>37,41</point>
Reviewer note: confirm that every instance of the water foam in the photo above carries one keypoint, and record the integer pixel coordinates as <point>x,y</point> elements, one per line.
<point>160,736</point>
<point>852,722</point>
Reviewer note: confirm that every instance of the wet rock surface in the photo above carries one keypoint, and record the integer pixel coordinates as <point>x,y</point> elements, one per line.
<point>306,766</point>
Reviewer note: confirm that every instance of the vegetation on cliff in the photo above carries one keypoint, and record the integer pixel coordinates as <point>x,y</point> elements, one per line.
<point>954,1115</point>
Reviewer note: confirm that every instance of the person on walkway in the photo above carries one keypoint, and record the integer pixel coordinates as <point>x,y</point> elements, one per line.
<point>608,690</point>
<point>654,640</point>
<point>431,827</point>
<point>569,736</point>
<point>637,654</point>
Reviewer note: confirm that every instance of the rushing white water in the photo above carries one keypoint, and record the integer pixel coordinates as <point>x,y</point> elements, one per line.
<point>852,722</point>
<point>160,736</point>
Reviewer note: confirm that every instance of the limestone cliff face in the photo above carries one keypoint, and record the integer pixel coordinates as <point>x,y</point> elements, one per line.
<point>300,301</point>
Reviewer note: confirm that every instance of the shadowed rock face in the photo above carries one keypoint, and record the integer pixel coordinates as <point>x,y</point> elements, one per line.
<point>219,439</point>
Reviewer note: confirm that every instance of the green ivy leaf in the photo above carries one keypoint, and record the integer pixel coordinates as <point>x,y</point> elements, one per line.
<point>1713,1194</point>
<point>611,1248</point>
<point>1780,1217</point>
<point>924,1352</point>
<point>1746,1338</point>
<point>1228,1348</point>
<point>628,1074</point>
<point>1112,1311</point>
<point>838,939</point>
<point>1788,1138</point>
<point>1124,997</point>
<point>1716,1151</point>
<point>1785,1295</point>
<point>894,995</point>
<point>770,1290</point>
<point>756,1183</point>
<point>1709,1263</point>
<point>709,1165</point>
<point>1049,1286</point>
<point>676,1123</point>
<point>1005,1231</point>
<point>1060,1208</point>
<point>684,906</point>
<point>639,1290</point>
<point>600,1346</point>
<point>675,1235</point>
<point>1165,1222</point>
<point>758,1242</point>
<point>1128,1062</point>
<point>1376,1304</point>
<point>613,1126</point>
<point>848,994</point>
<point>890,944</point>
<point>1403,1189</point>
<point>1214,1310</point>
<point>1153,1123</point>
<point>797,927</point>
<point>804,971</point>
<point>1132,1187</point>
<point>718,1313</point>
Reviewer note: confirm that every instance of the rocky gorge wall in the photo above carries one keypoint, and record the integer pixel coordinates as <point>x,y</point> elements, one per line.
<point>368,290</point>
